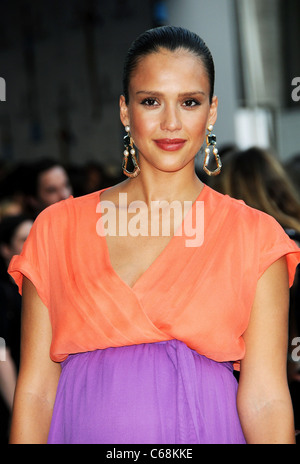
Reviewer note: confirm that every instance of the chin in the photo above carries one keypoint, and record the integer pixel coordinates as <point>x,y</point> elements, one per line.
<point>168,164</point>
<point>172,168</point>
<point>173,165</point>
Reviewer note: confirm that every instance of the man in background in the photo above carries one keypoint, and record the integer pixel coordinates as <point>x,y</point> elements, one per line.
<point>47,182</point>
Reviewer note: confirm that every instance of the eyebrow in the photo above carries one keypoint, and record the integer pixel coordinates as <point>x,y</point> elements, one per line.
<point>183,94</point>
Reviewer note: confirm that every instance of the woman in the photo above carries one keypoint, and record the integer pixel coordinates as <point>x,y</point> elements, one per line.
<point>145,328</point>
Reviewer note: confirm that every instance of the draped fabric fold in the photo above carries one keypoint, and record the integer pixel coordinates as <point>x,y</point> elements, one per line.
<point>149,393</point>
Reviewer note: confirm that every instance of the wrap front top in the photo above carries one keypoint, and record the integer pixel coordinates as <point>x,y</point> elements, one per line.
<point>201,295</point>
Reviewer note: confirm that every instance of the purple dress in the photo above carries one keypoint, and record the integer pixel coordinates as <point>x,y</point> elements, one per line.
<point>154,393</point>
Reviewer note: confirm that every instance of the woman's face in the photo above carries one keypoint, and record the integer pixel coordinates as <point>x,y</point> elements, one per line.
<point>169,109</point>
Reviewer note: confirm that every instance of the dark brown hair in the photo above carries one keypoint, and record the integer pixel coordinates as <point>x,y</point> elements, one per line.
<point>170,38</point>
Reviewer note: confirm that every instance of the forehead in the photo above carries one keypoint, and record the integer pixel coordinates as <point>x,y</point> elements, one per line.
<point>180,64</point>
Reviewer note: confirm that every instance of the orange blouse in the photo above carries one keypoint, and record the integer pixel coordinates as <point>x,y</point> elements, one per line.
<point>201,295</point>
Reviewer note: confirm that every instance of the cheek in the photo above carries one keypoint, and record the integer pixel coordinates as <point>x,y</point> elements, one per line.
<point>142,129</point>
<point>197,130</point>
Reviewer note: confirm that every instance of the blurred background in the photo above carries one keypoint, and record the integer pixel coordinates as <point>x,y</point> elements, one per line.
<point>62,60</point>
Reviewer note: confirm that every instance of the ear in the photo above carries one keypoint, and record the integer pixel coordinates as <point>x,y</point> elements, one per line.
<point>213,112</point>
<point>123,111</point>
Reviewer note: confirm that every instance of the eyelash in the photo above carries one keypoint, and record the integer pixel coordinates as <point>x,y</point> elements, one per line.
<point>147,101</point>
<point>195,102</point>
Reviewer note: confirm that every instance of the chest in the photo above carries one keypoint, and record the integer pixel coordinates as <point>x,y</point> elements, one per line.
<point>135,239</point>
<point>131,256</point>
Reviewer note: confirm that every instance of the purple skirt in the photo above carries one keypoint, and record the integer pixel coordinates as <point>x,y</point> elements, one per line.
<point>156,393</point>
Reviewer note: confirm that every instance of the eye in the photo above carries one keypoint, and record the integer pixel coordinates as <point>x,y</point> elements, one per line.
<point>191,102</point>
<point>149,102</point>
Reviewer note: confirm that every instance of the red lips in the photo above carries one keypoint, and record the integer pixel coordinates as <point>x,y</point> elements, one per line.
<point>170,144</point>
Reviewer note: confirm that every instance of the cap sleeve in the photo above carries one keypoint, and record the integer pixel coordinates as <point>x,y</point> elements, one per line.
<point>274,244</point>
<point>33,262</point>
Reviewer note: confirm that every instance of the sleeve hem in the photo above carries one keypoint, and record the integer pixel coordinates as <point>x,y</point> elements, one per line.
<point>18,269</point>
<point>293,259</point>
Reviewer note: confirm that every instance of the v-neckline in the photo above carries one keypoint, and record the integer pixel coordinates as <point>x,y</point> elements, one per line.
<point>161,254</point>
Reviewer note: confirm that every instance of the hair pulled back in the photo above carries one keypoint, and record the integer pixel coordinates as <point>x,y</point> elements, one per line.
<point>171,38</point>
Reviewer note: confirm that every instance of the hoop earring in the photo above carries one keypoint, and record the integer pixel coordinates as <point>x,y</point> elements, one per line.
<point>211,141</point>
<point>128,144</point>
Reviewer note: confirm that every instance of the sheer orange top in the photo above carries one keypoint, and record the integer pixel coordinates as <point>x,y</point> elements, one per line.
<point>201,295</point>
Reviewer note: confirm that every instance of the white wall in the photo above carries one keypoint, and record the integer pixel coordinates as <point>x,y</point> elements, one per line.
<point>216,22</point>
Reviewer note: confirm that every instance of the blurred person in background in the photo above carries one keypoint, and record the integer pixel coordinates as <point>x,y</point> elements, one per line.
<point>12,196</point>
<point>9,207</point>
<point>13,232</point>
<point>292,167</point>
<point>47,182</point>
<point>260,180</point>
<point>94,177</point>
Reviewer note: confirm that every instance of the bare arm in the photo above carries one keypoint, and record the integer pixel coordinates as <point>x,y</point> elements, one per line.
<point>263,400</point>
<point>38,376</point>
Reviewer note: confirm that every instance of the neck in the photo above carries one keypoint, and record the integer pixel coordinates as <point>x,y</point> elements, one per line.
<point>164,186</point>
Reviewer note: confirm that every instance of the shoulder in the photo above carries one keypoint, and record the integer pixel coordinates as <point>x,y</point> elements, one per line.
<point>65,210</point>
<point>254,234</point>
<point>239,213</point>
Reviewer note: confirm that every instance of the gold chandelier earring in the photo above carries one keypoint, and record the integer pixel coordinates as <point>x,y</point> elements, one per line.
<point>211,142</point>
<point>129,150</point>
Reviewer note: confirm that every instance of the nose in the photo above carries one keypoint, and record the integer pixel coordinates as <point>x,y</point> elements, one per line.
<point>171,118</point>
